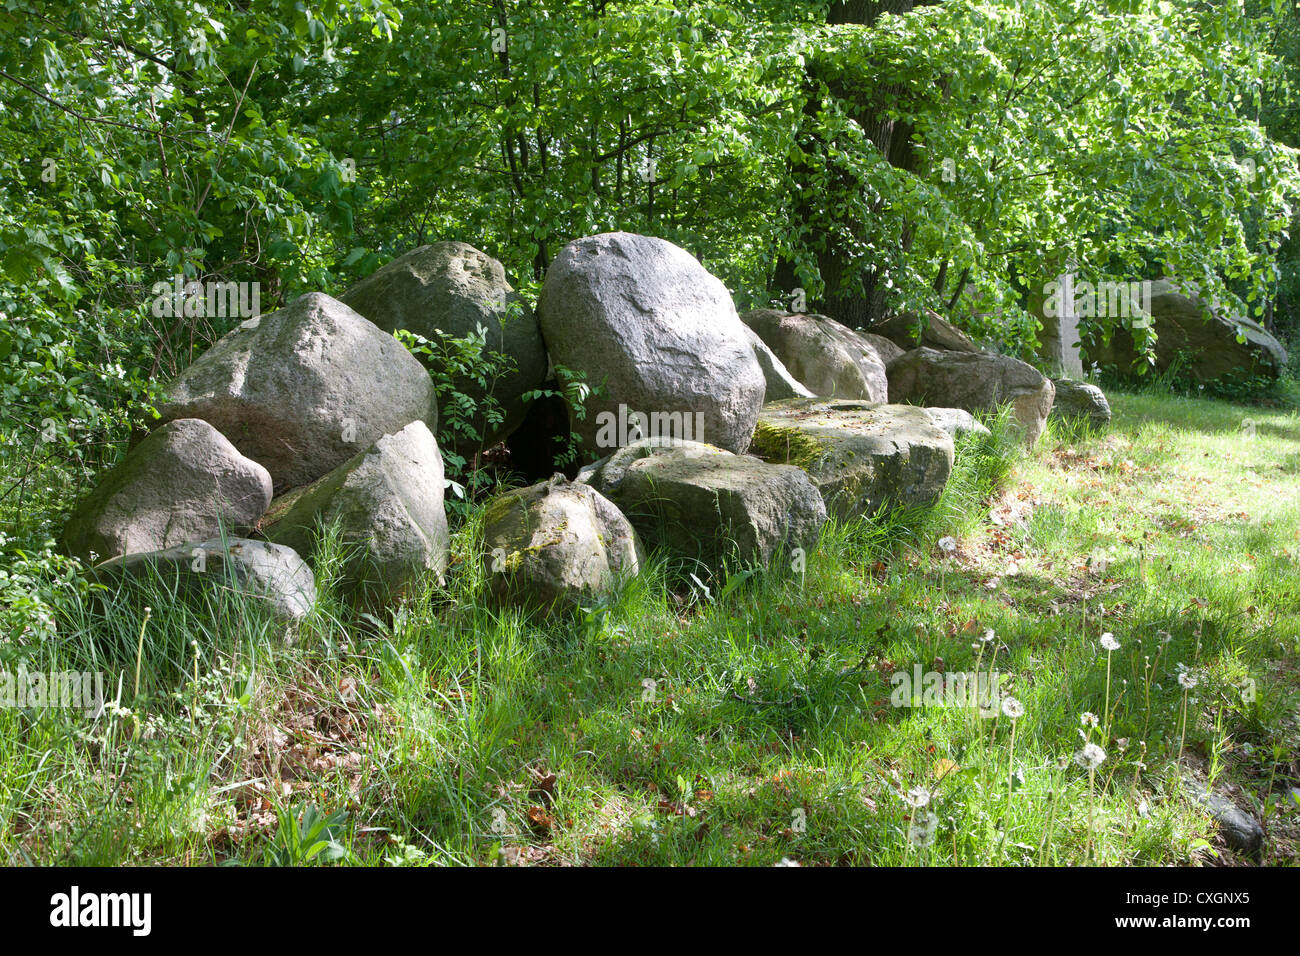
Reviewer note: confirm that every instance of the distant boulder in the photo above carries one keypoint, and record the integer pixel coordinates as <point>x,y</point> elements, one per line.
<point>448,290</point>
<point>830,360</point>
<point>1208,343</point>
<point>975,381</point>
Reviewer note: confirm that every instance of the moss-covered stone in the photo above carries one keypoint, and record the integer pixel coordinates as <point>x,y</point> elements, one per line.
<point>860,455</point>
<point>787,445</point>
<point>555,544</point>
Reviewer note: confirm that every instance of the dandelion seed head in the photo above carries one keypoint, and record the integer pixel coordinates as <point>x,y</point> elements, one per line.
<point>1090,757</point>
<point>918,797</point>
<point>920,831</point>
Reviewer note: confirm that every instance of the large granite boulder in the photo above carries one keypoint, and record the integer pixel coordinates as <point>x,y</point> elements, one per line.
<point>705,503</point>
<point>1080,401</point>
<point>387,503</point>
<point>271,574</point>
<point>780,383</point>
<point>885,348</point>
<point>556,544</point>
<point>646,322</point>
<point>1213,343</point>
<point>861,456</point>
<point>302,390</point>
<point>449,290</point>
<point>908,331</point>
<point>183,482</point>
<point>829,359</point>
<point>975,381</point>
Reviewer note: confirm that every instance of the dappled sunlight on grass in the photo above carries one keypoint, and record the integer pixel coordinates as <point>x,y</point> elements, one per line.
<point>752,722</point>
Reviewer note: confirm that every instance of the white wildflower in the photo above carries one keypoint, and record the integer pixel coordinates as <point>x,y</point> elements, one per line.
<point>920,831</point>
<point>1090,757</point>
<point>918,797</point>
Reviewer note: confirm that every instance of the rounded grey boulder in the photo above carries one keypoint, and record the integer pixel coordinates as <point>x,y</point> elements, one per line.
<point>183,482</point>
<point>829,359</point>
<point>271,574</point>
<point>557,544</point>
<point>645,321</point>
<point>1080,400</point>
<point>302,390</point>
<point>449,290</point>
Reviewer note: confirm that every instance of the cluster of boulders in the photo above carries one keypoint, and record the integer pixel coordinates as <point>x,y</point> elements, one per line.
<point>307,418</point>
<point>718,437</point>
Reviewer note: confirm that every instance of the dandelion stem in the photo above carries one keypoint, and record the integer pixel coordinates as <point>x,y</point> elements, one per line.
<point>139,651</point>
<point>1092,814</point>
<point>1182,733</point>
<point>1011,762</point>
<point>1105,730</point>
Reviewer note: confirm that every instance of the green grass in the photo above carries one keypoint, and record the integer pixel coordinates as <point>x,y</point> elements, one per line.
<point>745,725</point>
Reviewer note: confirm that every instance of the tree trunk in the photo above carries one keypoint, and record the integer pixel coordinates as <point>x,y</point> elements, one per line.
<point>859,302</point>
